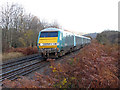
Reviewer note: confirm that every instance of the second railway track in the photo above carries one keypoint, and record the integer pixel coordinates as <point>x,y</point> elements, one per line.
<point>11,70</point>
<point>14,62</point>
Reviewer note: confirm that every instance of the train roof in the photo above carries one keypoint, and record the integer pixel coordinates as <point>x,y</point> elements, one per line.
<point>56,29</point>
<point>81,36</point>
<point>52,29</point>
<point>86,37</point>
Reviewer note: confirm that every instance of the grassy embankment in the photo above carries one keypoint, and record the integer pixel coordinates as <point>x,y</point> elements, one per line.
<point>18,52</point>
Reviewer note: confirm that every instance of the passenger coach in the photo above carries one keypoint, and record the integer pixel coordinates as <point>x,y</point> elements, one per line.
<point>53,42</point>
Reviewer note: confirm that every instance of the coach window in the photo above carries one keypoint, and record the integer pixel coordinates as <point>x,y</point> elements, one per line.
<point>60,36</point>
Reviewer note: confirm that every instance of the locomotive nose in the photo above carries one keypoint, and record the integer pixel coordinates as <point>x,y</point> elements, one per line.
<point>50,42</point>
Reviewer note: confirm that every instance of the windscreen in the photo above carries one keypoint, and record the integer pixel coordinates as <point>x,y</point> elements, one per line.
<point>49,34</point>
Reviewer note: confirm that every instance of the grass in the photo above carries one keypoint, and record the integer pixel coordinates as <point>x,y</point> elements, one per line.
<point>18,52</point>
<point>25,51</point>
<point>11,55</point>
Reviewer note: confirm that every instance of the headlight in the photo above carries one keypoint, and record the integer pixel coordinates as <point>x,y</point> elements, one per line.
<point>40,44</point>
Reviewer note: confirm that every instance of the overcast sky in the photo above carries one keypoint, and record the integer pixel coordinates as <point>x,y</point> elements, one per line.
<point>86,16</point>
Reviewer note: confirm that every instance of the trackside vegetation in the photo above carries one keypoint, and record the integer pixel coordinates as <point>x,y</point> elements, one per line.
<point>18,52</point>
<point>95,66</point>
<point>109,37</point>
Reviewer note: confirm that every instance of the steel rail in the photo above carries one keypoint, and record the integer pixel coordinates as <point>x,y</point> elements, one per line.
<point>27,71</point>
<point>19,59</point>
<point>18,71</point>
<point>19,62</point>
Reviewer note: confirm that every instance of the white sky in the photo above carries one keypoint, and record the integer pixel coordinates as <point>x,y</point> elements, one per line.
<point>86,16</point>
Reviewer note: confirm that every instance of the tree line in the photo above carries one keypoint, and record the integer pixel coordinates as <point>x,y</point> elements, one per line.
<point>20,29</point>
<point>109,37</point>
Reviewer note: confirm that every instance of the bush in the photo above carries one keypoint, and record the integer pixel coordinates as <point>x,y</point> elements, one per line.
<point>94,67</point>
<point>11,55</point>
<point>25,51</point>
<point>109,37</point>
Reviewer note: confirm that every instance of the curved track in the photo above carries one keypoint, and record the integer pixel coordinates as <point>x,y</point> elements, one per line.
<point>20,67</point>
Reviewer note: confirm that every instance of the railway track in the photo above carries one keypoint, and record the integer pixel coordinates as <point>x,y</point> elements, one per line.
<point>11,70</point>
<point>18,61</point>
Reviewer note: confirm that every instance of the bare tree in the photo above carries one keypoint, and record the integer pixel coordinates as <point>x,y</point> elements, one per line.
<point>54,24</point>
<point>20,29</point>
<point>10,15</point>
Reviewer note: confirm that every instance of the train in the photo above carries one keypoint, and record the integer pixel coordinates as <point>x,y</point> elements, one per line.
<point>54,42</point>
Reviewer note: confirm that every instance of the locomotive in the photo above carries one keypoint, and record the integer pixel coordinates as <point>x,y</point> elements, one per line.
<point>54,42</point>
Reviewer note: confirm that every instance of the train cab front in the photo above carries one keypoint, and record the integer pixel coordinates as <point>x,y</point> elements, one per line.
<point>48,43</point>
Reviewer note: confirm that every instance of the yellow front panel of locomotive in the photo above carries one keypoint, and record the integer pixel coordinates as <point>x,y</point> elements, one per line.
<point>48,40</point>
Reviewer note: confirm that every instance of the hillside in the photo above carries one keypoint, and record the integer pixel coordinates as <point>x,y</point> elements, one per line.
<point>111,37</point>
<point>92,35</point>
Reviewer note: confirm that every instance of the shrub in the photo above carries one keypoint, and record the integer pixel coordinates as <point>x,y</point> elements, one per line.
<point>11,55</point>
<point>25,51</point>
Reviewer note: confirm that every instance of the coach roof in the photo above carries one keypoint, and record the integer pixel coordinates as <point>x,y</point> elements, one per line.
<point>51,29</point>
